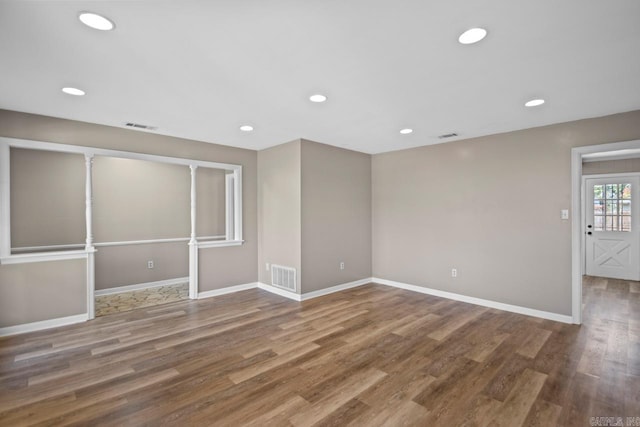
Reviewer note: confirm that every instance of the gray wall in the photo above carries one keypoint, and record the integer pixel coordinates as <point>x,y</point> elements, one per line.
<point>132,200</point>
<point>240,263</point>
<point>47,198</point>
<point>611,166</point>
<point>489,207</point>
<point>336,216</point>
<point>42,291</point>
<point>279,210</point>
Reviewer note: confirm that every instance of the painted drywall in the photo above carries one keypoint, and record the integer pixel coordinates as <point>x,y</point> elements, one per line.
<point>139,200</point>
<point>127,265</point>
<point>240,267</point>
<point>336,215</point>
<point>132,200</point>
<point>611,166</point>
<point>47,198</point>
<point>489,207</point>
<point>41,291</point>
<point>279,194</point>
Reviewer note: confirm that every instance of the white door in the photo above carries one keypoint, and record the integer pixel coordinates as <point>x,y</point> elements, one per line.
<point>612,227</point>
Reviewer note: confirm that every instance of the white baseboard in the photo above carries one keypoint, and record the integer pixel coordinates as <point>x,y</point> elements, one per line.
<point>227,290</point>
<point>140,286</point>
<point>313,294</point>
<point>477,301</point>
<point>43,324</point>
<point>336,288</point>
<point>281,292</point>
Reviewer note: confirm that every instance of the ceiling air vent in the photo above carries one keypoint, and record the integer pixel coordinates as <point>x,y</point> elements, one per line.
<point>447,135</point>
<point>140,126</point>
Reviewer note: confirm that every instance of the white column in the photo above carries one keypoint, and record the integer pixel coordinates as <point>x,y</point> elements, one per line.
<point>5,210</point>
<point>88,161</point>
<point>229,206</point>
<point>193,242</point>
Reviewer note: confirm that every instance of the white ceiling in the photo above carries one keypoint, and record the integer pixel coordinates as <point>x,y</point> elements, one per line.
<point>200,69</point>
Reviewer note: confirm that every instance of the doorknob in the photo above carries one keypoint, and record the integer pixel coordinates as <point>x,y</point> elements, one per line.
<point>589,233</point>
<point>589,226</point>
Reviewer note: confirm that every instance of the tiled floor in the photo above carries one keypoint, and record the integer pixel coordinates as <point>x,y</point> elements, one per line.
<point>118,303</point>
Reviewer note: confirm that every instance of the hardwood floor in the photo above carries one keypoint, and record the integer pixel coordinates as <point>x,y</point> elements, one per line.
<point>369,356</point>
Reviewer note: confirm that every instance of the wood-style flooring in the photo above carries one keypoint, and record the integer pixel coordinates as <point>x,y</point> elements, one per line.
<point>368,356</point>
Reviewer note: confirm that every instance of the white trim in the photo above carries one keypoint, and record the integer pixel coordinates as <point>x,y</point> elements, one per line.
<point>193,242</point>
<point>314,294</point>
<point>219,244</point>
<point>45,248</point>
<point>229,205</point>
<point>106,244</point>
<point>5,199</point>
<point>237,203</point>
<point>336,288</point>
<point>140,286</point>
<point>281,292</point>
<point>477,301</point>
<point>91,284</point>
<point>576,221</point>
<point>92,151</point>
<point>44,256</point>
<point>193,270</point>
<point>43,324</point>
<point>227,290</point>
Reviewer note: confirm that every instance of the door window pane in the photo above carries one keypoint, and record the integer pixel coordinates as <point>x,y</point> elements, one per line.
<point>612,207</point>
<point>598,192</point>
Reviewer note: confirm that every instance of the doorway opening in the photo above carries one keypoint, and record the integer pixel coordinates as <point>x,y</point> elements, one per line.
<point>605,225</point>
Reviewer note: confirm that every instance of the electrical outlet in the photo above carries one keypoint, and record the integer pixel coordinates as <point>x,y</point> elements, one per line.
<point>342,265</point>
<point>454,272</point>
<point>564,214</point>
<point>149,264</point>
<point>266,266</point>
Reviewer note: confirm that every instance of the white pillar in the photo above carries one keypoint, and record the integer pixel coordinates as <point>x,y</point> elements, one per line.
<point>5,210</point>
<point>193,242</point>
<point>88,161</point>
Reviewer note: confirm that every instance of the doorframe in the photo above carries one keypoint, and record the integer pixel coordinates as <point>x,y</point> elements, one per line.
<point>583,210</point>
<point>577,206</point>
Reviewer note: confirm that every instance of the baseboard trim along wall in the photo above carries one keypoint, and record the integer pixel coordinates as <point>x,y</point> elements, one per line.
<point>140,286</point>
<point>227,290</point>
<point>477,301</point>
<point>43,324</point>
<point>313,294</point>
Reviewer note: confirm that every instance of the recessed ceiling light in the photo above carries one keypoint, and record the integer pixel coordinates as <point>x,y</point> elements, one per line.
<point>473,35</point>
<point>96,21</point>
<point>246,128</point>
<point>406,131</point>
<point>534,103</point>
<point>73,91</point>
<point>317,98</point>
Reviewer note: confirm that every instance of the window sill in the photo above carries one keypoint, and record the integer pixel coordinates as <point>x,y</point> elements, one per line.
<point>219,244</point>
<point>45,256</point>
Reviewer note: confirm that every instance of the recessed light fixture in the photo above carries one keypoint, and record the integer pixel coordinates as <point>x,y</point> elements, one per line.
<point>534,103</point>
<point>73,91</point>
<point>473,35</point>
<point>406,131</point>
<point>317,98</point>
<point>95,21</point>
<point>246,128</point>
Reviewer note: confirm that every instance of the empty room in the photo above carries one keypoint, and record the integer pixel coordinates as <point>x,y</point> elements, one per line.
<point>357,213</point>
